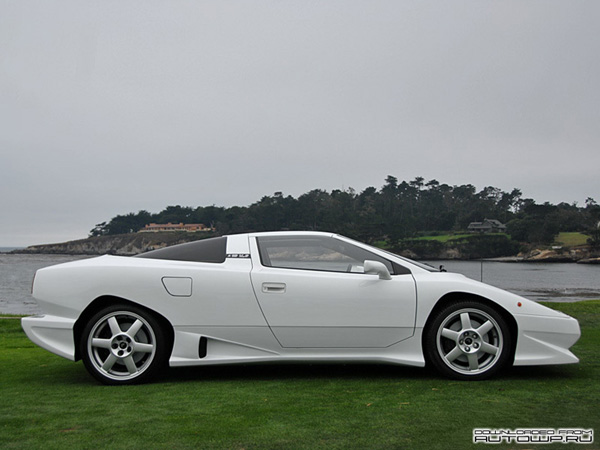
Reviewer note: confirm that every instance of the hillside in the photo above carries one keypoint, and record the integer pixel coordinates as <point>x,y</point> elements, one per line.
<point>463,247</point>
<point>120,244</point>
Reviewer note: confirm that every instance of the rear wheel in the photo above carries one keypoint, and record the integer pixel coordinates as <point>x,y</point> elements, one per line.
<point>468,340</point>
<point>123,344</point>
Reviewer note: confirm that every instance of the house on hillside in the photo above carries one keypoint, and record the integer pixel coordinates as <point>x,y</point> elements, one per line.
<point>190,227</point>
<point>487,226</point>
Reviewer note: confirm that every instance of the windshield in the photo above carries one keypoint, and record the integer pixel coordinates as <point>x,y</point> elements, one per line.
<point>423,266</point>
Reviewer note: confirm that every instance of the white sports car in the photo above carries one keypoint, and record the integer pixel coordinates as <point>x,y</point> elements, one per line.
<point>285,296</point>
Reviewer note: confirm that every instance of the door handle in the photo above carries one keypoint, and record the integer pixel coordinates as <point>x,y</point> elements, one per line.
<point>273,288</point>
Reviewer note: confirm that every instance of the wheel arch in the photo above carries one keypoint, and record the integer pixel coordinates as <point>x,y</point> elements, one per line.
<point>106,300</point>
<point>451,297</point>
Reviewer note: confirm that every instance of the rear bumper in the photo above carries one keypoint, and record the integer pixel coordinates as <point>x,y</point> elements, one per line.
<point>546,340</point>
<point>52,333</point>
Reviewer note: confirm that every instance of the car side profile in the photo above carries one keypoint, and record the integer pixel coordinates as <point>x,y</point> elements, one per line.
<point>285,297</point>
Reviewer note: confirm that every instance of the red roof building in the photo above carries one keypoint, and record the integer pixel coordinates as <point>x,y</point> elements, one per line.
<point>190,227</point>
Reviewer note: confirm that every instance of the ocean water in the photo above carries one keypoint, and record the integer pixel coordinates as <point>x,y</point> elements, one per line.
<point>543,281</point>
<point>560,282</point>
<point>9,249</point>
<point>16,276</point>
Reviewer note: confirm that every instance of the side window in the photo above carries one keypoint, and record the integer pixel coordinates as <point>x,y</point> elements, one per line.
<point>315,253</point>
<point>210,250</point>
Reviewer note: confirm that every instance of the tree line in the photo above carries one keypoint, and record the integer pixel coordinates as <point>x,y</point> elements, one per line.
<point>396,211</point>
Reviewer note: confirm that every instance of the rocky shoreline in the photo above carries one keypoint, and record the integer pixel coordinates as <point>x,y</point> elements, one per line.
<point>121,244</point>
<point>135,243</point>
<point>543,256</point>
<point>581,255</point>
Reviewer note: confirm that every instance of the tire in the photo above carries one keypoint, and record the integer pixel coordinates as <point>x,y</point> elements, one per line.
<point>468,340</point>
<point>124,344</point>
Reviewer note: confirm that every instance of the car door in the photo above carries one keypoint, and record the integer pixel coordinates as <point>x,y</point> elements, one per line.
<point>314,293</point>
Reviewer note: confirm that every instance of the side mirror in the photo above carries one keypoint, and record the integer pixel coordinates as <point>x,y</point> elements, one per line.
<point>377,268</point>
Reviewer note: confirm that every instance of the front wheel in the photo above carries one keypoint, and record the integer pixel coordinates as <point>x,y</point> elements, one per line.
<point>468,340</point>
<point>123,344</point>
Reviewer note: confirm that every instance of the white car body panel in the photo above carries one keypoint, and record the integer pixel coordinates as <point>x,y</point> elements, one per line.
<point>353,311</point>
<point>52,333</point>
<point>251,313</point>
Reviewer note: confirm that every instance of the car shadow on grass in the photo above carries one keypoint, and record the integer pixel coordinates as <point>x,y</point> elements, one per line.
<point>540,373</point>
<point>269,372</point>
<point>75,374</point>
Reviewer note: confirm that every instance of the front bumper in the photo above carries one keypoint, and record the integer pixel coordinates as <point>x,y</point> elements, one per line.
<point>546,340</point>
<point>52,333</point>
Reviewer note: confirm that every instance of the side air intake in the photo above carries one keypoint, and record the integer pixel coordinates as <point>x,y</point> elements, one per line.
<point>202,345</point>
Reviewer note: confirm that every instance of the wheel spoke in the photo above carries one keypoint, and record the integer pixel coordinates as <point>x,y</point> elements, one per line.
<point>133,329</point>
<point>485,328</point>
<point>122,345</point>
<point>465,321</point>
<point>489,348</point>
<point>469,342</point>
<point>450,334</point>
<point>455,353</point>
<point>143,348</point>
<point>110,361</point>
<point>130,364</point>
<point>114,325</point>
<point>101,343</point>
<point>473,362</point>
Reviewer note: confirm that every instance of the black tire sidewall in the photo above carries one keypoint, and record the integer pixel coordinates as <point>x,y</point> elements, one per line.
<point>433,357</point>
<point>158,364</point>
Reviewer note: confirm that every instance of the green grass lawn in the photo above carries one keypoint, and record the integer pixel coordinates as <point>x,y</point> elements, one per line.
<point>49,402</point>
<point>571,239</point>
<point>454,237</point>
<point>443,237</point>
<point>440,238</point>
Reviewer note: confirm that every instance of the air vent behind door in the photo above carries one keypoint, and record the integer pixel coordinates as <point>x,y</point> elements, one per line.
<point>202,347</point>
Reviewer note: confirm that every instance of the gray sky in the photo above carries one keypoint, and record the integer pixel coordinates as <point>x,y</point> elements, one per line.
<point>109,107</point>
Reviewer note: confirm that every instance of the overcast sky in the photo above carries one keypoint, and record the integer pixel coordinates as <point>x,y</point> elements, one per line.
<point>110,107</point>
